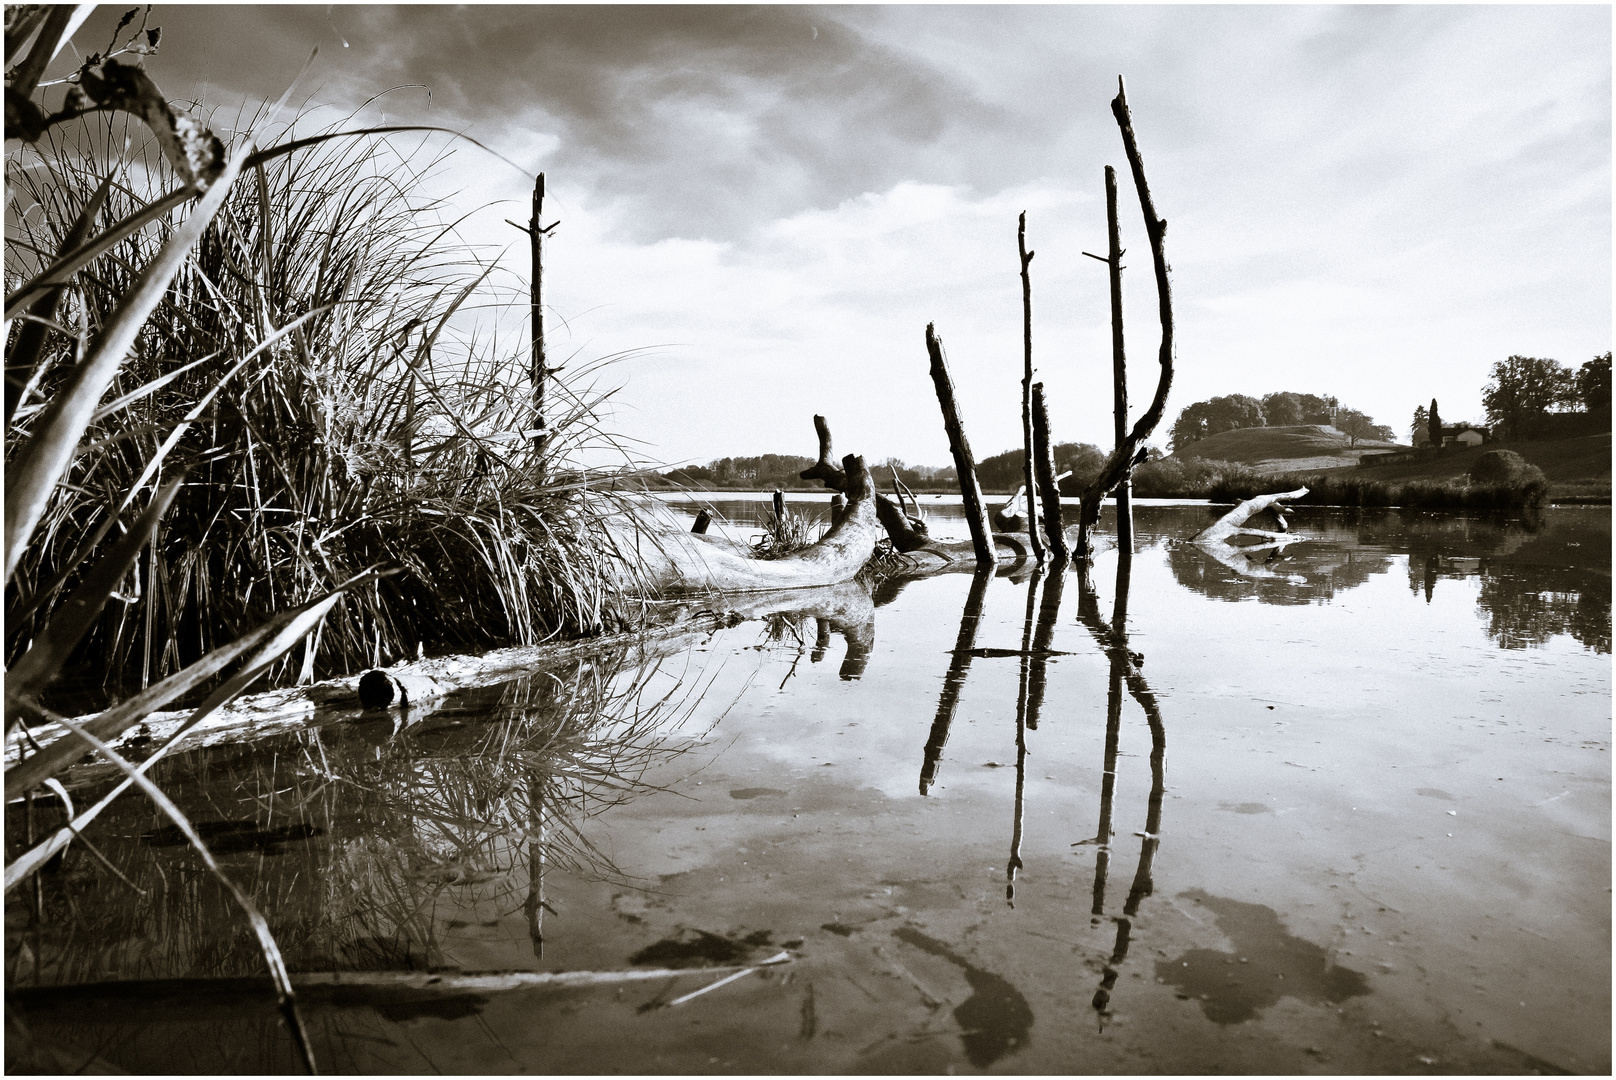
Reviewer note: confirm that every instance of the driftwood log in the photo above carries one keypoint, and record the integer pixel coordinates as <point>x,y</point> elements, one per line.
<point>1232,524</point>
<point>671,560</point>
<point>910,536</point>
<point>1219,540</point>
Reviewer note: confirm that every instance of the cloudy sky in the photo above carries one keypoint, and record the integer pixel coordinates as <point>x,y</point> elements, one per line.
<point>771,203</point>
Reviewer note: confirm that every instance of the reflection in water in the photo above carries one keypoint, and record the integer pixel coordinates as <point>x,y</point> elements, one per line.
<point>1303,573</point>
<point>1540,575</point>
<point>1124,671</point>
<point>954,681</point>
<point>375,825</point>
<point>845,609</point>
<point>1035,653</point>
<point>1524,607</point>
<point>1024,720</point>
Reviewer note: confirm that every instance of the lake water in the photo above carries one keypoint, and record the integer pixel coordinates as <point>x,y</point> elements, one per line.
<point>1345,810</point>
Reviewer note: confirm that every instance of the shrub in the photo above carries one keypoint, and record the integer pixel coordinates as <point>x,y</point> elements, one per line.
<point>1504,467</point>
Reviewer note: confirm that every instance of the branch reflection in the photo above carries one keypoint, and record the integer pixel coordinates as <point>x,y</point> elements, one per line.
<point>1125,671</point>
<point>959,666</point>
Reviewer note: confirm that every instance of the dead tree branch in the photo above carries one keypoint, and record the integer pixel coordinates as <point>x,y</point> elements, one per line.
<point>970,491</point>
<point>1048,483</point>
<point>1121,461</point>
<point>1028,469</point>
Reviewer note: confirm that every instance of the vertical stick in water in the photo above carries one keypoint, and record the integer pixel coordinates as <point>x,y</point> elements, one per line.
<point>976,515</point>
<point>541,370</point>
<point>1119,363</point>
<point>1048,485</point>
<point>1028,478</point>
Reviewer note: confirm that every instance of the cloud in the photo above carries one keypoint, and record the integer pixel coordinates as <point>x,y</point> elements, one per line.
<point>1374,202</point>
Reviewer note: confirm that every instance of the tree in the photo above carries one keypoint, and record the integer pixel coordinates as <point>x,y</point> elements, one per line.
<point>1436,426</point>
<point>1523,390</point>
<point>1356,425</point>
<point>1215,416</point>
<point>1593,383</point>
<point>1420,431</point>
<point>1287,409</point>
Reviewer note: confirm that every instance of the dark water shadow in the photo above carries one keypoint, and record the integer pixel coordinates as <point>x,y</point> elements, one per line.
<point>995,1019</point>
<point>1267,963</point>
<point>1539,577</point>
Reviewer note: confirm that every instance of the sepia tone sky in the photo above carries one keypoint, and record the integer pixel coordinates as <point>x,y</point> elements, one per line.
<point>769,204</point>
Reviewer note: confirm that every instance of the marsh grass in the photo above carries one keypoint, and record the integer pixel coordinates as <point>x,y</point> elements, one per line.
<point>787,533</point>
<point>373,431</point>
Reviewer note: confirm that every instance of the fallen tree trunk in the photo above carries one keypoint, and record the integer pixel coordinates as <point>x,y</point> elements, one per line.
<point>292,708</point>
<point>910,536</point>
<point>670,560</point>
<point>1218,539</point>
<point>1233,523</point>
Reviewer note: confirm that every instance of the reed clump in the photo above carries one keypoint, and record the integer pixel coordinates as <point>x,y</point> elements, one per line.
<point>1187,478</point>
<point>306,374</point>
<point>787,533</point>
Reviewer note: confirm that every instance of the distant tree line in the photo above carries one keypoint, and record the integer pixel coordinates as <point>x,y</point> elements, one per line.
<point>1284,409</point>
<point>1525,391</point>
<point>1529,397</point>
<point>767,472</point>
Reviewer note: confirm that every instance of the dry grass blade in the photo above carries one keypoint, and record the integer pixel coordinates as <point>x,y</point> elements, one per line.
<point>156,460</point>
<point>63,269</point>
<point>58,755</point>
<point>44,659</point>
<point>27,74</point>
<point>34,473</point>
<point>286,997</point>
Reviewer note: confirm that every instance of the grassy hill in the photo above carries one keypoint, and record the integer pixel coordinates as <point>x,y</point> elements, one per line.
<point>1285,449</point>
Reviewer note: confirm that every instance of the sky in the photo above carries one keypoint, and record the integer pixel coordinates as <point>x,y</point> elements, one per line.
<point>763,207</point>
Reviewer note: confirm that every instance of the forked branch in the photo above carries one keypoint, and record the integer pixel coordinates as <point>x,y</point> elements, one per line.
<point>1122,459</point>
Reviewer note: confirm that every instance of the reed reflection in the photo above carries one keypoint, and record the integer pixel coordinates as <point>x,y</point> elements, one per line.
<point>1125,672</point>
<point>369,845</point>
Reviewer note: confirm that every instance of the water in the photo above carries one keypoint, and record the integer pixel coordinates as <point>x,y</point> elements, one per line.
<point>1344,811</point>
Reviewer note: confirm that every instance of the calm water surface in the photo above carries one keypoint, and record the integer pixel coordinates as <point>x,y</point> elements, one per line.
<point>1347,810</point>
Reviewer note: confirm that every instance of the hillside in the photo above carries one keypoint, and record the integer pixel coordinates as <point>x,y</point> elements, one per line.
<point>1285,449</point>
<point>1576,466</point>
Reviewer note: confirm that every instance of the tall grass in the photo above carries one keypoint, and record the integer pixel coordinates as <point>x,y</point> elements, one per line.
<point>373,432</point>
